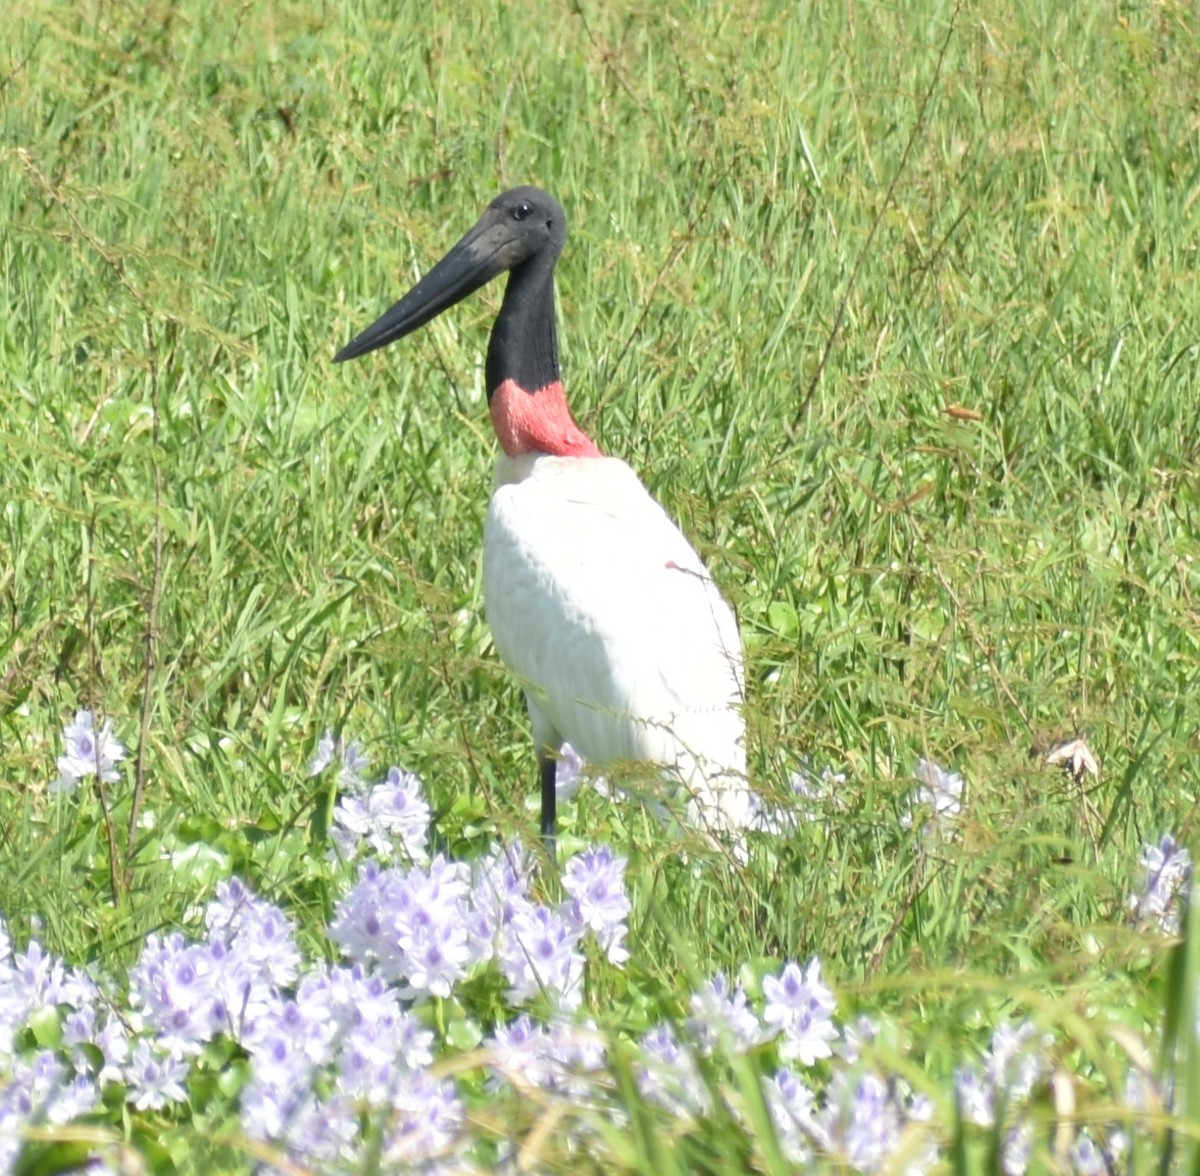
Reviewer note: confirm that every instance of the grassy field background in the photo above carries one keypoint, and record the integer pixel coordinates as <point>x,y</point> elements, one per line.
<point>894,308</point>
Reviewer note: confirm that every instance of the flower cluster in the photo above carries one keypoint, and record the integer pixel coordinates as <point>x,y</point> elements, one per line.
<point>813,797</point>
<point>940,795</point>
<point>722,1019</point>
<point>595,879</point>
<point>412,925</point>
<point>42,1087</point>
<point>427,930</point>
<point>801,1007</point>
<point>352,763</point>
<point>344,1043</point>
<point>186,994</point>
<point>337,1061</point>
<point>89,753</point>
<point>1166,872</point>
<point>560,1058</point>
<point>322,1045</point>
<point>997,1094</point>
<point>389,819</point>
<point>856,1117</point>
<point>1011,1070</point>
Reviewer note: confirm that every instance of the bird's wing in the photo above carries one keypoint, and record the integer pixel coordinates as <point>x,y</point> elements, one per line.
<point>598,602</point>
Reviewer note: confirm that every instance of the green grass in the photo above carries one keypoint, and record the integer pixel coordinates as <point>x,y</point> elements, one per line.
<point>199,203</point>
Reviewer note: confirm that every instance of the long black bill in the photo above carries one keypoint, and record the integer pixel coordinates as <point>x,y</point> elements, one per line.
<point>486,251</point>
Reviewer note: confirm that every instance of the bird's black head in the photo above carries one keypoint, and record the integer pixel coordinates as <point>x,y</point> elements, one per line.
<point>522,230</point>
<point>525,222</point>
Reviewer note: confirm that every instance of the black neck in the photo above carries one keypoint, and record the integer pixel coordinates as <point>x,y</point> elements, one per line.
<point>524,346</point>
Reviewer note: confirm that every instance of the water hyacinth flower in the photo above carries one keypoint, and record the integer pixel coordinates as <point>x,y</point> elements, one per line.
<point>595,879</point>
<point>1012,1068</point>
<point>1087,1159</point>
<point>720,1017</point>
<point>1017,1149</point>
<point>800,1007</point>
<point>864,1117</point>
<point>314,1131</point>
<point>353,764</point>
<point>188,993</point>
<point>519,1053</point>
<point>154,1078</point>
<point>812,798</point>
<point>32,981</point>
<point>344,1023</point>
<point>425,1121</point>
<point>415,925</point>
<point>257,931</point>
<point>568,776</point>
<point>976,1097</point>
<point>1166,870</point>
<point>389,819</point>
<point>668,1074</point>
<point>793,1108</point>
<point>558,1059</point>
<point>499,889</point>
<point>941,793</point>
<point>855,1035</point>
<point>539,953</point>
<point>1018,1059</point>
<point>88,753</point>
<point>39,1090</point>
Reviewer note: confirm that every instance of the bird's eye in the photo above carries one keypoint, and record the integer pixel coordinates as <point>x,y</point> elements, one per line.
<point>522,210</point>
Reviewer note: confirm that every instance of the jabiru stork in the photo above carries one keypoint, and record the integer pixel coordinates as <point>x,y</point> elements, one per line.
<point>596,601</point>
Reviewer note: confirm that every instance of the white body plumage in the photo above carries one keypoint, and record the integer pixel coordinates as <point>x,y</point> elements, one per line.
<point>618,633</point>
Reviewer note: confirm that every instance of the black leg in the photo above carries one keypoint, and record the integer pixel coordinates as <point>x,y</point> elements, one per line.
<point>549,771</point>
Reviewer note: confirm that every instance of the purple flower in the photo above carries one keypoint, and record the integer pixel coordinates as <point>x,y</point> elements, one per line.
<point>315,1131</point>
<point>353,762</point>
<point>976,1097</point>
<point>280,1061</point>
<point>1017,1149</point>
<point>254,932</point>
<point>153,1080</point>
<point>719,1016</point>
<point>499,889</point>
<point>33,980</point>
<point>113,1043</point>
<point>191,992</point>
<point>814,798</point>
<point>941,793</point>
<point>861,1120</point>
<point>595,879</point>
<point>426,1120</point>
<point>558,1059</point>
<point>88,753</point>
<point>41,1090</point>
<point>793,1111</point>
<point>668,1075</point>
<point>391,816</point>
<point>539,953</point>
<point>571,774</point>
<point>1086,1157</point>
<point>520,1053</point>
<point>1017,1060</point>
<point>172,987</point>
<point>1012,1068</point>
<point>801,1006</point>
<point>415,925</point>
<point>1166,869</point>
<point>861,1032</point>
